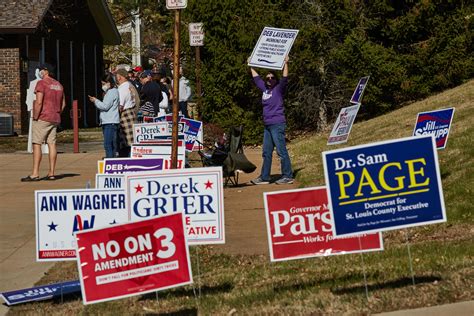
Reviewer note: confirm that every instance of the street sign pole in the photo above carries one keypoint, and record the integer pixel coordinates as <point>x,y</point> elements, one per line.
<point>174,132</point>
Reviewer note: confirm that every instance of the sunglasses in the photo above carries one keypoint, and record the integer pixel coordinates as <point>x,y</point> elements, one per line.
<point>270,77</point>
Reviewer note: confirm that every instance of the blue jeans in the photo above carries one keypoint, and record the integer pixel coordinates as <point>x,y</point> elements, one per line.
<point>110,139</point>
<point>274,136</point>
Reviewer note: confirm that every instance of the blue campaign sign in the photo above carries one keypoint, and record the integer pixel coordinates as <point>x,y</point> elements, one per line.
<point>359,90</point>
<point>384,186</point>
<point>435,123</point>
<point>40,293</point>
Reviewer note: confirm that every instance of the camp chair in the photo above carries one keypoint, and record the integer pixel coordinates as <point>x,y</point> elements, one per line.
<point>230,156</point>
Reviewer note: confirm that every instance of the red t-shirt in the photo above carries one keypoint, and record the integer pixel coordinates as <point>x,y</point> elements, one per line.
<point>52,100</point>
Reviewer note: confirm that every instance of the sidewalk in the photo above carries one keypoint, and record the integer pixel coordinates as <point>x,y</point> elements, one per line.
<point>18,266</point>
<point>457,309</point>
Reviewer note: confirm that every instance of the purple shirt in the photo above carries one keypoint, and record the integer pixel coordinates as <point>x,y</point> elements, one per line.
<point>272,101</point>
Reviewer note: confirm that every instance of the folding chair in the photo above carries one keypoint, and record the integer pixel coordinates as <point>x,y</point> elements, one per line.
<point>231,157</point>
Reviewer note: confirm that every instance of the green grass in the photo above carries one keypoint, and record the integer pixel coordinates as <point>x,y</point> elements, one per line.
<point>443,254</point>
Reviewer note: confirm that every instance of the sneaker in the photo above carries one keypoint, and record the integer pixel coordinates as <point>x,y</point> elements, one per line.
<point>259,181</point>
<point>284,180</point>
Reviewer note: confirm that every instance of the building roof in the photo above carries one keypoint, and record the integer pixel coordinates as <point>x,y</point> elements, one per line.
<point>24,16</point>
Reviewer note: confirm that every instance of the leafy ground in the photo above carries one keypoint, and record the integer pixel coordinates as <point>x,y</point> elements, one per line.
<point>443,255</point>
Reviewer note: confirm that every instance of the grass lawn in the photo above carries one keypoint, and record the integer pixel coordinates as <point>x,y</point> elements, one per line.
<point>443,254</point>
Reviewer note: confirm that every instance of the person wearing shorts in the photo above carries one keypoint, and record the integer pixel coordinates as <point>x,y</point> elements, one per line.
<point>49,104</point>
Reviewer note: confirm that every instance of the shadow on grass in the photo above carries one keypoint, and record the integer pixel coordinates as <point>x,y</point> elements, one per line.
<point>184,312</point>
<point>394,284</point>
<point>183,292</point>
<point>296,171</point>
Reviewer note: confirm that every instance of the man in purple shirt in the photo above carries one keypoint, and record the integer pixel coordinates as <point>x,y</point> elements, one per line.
<point>275,124</point>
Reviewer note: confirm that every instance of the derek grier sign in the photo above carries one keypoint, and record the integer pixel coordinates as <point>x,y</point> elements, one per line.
<point>197,192</point>
<point>436,123</point>
<point>133,259</point>
<point>299,226</point>
<point>384,186</point>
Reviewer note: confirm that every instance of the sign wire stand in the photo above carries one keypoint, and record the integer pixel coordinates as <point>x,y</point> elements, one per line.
<point>410,260</point>
<point>363,270</point>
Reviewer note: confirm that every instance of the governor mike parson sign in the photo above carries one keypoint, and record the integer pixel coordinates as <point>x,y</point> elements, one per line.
<point>384,186</point>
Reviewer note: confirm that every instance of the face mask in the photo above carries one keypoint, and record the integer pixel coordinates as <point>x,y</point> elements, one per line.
<point>105,87</point>
<point>270,83</point>
<point>41,74</point>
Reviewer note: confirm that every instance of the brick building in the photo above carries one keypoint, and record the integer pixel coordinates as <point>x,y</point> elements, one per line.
<point>67,34</point>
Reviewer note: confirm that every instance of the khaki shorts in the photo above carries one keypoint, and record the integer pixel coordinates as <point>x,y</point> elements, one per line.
<point>43,131</point>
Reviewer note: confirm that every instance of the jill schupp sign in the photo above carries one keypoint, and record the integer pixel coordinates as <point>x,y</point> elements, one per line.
<point>133,259</point>
<point>61,213</point>
<point>197,192</point>
<point>192,129</point>
<point>384,186</point>
<point>435,123</point>
<point>272,48</point>
<point>299,226</point>
<point>343,125</point>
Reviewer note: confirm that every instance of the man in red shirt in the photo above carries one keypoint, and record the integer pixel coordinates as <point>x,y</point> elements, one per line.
<point>49,104</point>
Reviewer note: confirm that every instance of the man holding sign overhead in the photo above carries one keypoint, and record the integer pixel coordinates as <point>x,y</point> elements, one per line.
<point>274,124</point>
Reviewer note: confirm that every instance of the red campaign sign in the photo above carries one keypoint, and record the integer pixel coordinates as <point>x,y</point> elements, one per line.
<point>299,226</point>
<point>133,259</point>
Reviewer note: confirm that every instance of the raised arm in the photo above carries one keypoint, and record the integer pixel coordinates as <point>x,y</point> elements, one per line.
<point>253,71</point>
<point>285,67</point>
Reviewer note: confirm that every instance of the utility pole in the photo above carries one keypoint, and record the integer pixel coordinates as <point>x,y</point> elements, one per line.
<point>174,131</point>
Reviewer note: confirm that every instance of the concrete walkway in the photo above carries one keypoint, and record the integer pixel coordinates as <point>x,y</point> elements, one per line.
<point>18,266</point>
<point>456,309</point>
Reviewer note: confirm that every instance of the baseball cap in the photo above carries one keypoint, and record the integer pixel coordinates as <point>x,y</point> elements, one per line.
<point>45,66</point>
<point>138,69</point>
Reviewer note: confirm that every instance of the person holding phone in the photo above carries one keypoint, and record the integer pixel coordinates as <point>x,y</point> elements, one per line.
<point>109,114</point>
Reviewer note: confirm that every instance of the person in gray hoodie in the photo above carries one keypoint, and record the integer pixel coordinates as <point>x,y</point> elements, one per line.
<point>109,114</point>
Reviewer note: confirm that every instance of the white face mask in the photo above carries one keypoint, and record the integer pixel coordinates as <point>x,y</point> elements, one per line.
<point>41,74</point>
<point>105,87</point>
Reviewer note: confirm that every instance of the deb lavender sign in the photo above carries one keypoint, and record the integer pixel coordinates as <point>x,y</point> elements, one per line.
<point>299,226</point>
<point>436,123</point>
<point>121,165</point>
<point>197,192</point>
<point>61,213</point>
<point>384,186</point>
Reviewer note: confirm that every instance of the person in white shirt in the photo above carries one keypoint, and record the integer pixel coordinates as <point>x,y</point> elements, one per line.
<point>184,93</point>
<point>129,104</point>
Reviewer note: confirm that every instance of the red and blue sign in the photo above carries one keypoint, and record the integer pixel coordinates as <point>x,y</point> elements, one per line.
<point>384,186</point>
<point>435,123</point>
<point>359,90</point>
<point>41,293</point>
<point>133,259</point>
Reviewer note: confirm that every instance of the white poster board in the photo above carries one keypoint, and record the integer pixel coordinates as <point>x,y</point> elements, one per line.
<point>272,48</point>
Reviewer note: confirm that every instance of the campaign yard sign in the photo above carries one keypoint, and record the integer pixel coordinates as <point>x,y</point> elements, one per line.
<point>121,165</point>
<point>359,90</point>
<point>109,181</point>
<point>272,47</point>
<point>384,186</point>
<point>197,192</point>
<point>41,293</point>
<point>159,151</point>
<point>61,213</point>
<point>133,259</point>
<point>192,129</point>
<point>435,123</point>
<point>150,132</point>
<point>299,226</point>
<point>342,128</point>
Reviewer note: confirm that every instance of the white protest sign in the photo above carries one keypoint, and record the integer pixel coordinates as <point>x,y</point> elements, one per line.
<point>109,181</point>
<point>272,48</point>
<point>342,128</point>
<point>176,4</point>
<point>196,34</point>
<point>198,192</point>
<point>61,213</point>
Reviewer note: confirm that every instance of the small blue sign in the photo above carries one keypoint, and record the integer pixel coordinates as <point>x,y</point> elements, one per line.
<point>41,293</point>
<point>384,186</point>
<point>359,90</point>
<point>435,123</point>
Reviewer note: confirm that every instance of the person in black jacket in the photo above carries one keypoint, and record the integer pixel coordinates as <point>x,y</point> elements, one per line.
<point>150,95</point>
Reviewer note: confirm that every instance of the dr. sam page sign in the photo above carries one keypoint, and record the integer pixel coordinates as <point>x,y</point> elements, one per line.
<point>384,186</point>
<point>299,226</point>
<point>132,259</point>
